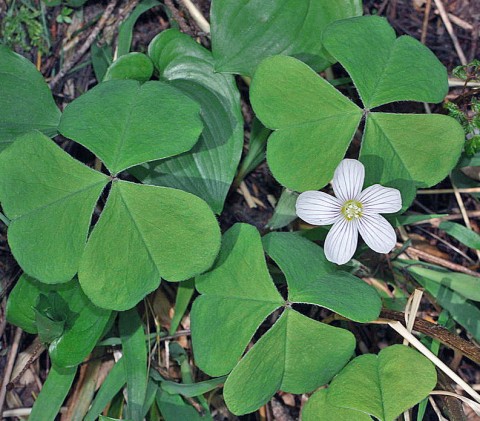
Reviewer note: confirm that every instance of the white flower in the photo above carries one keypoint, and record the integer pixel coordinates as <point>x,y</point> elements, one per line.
<point>352,211</point>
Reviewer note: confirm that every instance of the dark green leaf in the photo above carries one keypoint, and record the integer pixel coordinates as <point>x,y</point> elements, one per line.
<point>464,235</point>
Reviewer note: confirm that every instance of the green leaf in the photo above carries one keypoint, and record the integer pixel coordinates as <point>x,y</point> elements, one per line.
<point>208,169</point>
<point>464,235</point>
<point>402,150</point>
<point>194,389</point>
<point>399,69</point>
<point>26,102</point>
<point>134,358</point>
<point>300,152</point>
<point>314,280</point>
<point>174,408</point>
<point>84,324</point>
<point>463,311</point>
<point>466,285</point>
<point>182,300</point>
<point>238,292</point>
<point>49,198</point>
<point>114,381</point>
<point>257,146</point>
<point>136,66</point>
<point>398,221</point>
<point>285,211</point>
<point>318,408</point>
<point>126,123</point>
<point>125,32</point>
<point>296,355</point>
<point>51,315</point>
<point>383,385</point>
<point>102,57</point>
<point>244,31</point>
<point>53,393</point>
<point>145,233</point>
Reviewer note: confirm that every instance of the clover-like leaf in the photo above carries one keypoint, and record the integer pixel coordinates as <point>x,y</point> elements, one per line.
<point>144,233</point>
<point>26,102</point>
<point>136,66</point>
<point>397,69</point>
<point>80,332</point>
<point>237,292</point>
<point>246,31</point>
<point>296,355</point>
<point>126,123</point>
<point>313,122</point>
<point>314,280</point>
<point>208,169</point>
<point>383,385</point>
<point>318,408</point>
<point>49,198</point>
<point>397,150</point>
<point>315,126</point>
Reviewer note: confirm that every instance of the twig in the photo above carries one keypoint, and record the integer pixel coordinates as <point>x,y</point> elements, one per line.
<point>438,333</point>
<point>8,369</point>
<point>85,46</point>
<point>428,6</point>
<point>178,17</point>
<point>446,191</point>
<point>438,260</point>
<point>451,32</point>
<point>436,409</point>
<point>399,328</point>
<point>243,190</point>
<point>436,221</point>
<point>454,83</point>
<point>197,16</point>
<point>474,405</point>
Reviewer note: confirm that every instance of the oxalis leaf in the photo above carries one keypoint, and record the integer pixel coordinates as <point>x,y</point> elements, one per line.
<point>126,123</point>
<point>246,31</point>
<point>240,292</point>
<point>383,386</point>
<point>208,169</point>
<point>83,323</point>
<point>26,103</point>
<point>50,197</point>
<point>315,126</point>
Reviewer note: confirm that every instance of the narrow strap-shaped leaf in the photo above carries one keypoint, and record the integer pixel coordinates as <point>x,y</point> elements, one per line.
<point>464,235</point>
<point>53,394</point>
<point>184,294</point>
<point>135,360</point>
<point>194,389</point>
<point>110,387</point>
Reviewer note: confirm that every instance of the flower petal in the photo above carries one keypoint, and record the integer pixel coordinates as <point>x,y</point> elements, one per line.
<point>318,208</point>
<point>348,179</point>
<point>377,233</point>
<point>379,199</point>
<point>341,241</point>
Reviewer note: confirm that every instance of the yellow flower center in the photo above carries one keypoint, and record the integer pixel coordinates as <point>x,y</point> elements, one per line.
<point>352,209</point>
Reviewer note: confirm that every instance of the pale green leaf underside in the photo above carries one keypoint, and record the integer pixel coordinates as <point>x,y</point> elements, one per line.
<point>312,129</point>
<point>296,355</point>
<point>25,99</point>
<point>246,31</point>
<point>125,123</point>
<point>318,408</point>
<point>145,233</point>
<point>383,385</point>
<point>208,169</point>
<point>42,190</point>
<point>237,292</point>
<point>78,340</point>
<point>312,279</point>
<point>385,68</point>
<point>420,150</point>
<point>136,66</point>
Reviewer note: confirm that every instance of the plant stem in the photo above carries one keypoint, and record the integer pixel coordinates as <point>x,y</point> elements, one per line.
<point>4,219</point>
